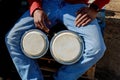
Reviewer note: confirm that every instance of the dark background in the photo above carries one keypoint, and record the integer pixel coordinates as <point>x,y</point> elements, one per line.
<point>10,11</point>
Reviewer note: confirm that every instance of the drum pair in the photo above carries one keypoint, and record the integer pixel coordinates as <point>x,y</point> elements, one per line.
<point>66,47</point>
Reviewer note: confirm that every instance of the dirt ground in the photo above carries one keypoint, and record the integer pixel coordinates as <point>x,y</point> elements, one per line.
<point>108,68</point>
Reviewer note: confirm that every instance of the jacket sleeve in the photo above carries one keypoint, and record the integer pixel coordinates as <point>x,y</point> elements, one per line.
<point>37,4</point>
<point>101,3</point>
<point>33,5</point>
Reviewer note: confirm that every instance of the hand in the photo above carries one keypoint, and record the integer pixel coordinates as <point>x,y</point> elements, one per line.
<point>40,20</point>
<point>84,16</point>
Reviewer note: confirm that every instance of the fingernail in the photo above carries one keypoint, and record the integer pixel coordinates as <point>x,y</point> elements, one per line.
<point>78,25</point>
<point>82,25</point>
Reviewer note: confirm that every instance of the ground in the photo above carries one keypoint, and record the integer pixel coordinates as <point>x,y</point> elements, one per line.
<point>108,68</point>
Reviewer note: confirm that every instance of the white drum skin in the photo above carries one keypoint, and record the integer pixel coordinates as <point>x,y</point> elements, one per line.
<point>66,47</point>
<point>34,43</point>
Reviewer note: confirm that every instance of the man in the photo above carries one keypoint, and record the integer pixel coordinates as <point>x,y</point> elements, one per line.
<point>76,15</point>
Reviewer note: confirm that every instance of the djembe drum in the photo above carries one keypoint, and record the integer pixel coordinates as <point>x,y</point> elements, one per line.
<point>34,43</point>
<point>66,47</point>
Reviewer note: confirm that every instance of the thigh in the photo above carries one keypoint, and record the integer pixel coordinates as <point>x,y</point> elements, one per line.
<point>90,33</point>
<point>23,24</point>
<point>93,44</point>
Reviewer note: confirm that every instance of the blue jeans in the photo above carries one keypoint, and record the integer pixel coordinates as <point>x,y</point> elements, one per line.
<point>57,10</point>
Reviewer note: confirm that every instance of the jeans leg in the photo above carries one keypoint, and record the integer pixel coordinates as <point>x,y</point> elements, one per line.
<point>26,67</point>
<point>94,46</point>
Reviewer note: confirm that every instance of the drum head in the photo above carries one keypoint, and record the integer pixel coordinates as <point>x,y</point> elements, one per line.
<point>34,43</point>
<point>66,47</point>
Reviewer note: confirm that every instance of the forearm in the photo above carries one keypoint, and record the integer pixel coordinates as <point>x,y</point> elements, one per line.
<point>37,4</point>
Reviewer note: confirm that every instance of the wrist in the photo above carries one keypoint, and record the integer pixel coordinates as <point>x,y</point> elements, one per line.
<point>37,9</point>
<point>94,7</point>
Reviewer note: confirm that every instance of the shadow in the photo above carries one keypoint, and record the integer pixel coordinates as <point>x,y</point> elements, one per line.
<point>111,70</point>
<point>110,13</point>
<point>8,16</point>
<point>110,17</point>
<point>105,74</point>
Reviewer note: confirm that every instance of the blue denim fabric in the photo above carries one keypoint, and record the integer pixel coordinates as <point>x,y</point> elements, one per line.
<point>101,19</point>
<point>57,10</point>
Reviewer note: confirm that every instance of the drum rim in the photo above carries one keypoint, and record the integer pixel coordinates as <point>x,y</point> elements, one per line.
<point>72,61</point>
<point>45,38</point>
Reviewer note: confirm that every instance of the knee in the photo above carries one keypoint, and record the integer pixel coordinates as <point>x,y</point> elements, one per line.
<point>96,50</point>
<point>100,49</point>
<point>8,38</point>
<point>12,37</point>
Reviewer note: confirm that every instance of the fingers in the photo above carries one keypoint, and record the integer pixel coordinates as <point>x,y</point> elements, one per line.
<point>86,22</point>
<point>40,20</point>
<point>82,20</point>
<point>41,25</point>
<point>78,17</point>
<point>44,27</point>
<point>47,21</point>
<point>84,16</point>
